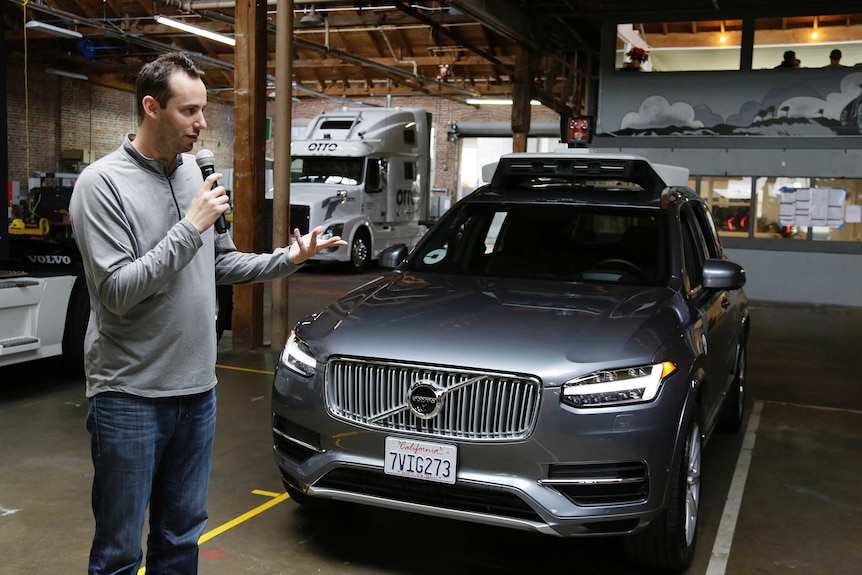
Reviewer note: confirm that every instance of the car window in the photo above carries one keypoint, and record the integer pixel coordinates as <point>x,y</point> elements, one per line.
<point>540,241</point>
<point>694,246</point>
<point>710,234</point>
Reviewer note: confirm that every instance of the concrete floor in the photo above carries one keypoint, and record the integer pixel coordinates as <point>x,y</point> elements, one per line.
<point>798,502</point>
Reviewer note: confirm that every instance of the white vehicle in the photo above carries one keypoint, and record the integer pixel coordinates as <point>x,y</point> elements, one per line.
<point>363,174</point>
<point>44,307</point>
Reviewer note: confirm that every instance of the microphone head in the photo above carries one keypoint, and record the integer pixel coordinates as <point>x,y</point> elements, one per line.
<point>205,158</point>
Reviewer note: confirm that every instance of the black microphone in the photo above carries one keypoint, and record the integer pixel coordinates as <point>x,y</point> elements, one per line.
<point>206,162</point>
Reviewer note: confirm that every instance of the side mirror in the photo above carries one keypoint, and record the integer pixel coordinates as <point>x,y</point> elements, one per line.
<point>392,256</point>
<point>722,275</point>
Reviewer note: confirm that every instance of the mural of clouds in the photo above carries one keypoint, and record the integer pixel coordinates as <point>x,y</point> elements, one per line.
<point>804,102</point>
<point>657,112</point>
<point>777,96</point>
<point>810,103</point>
<point>832,105</point>
<point>706,116</point>
<point>747,113</point>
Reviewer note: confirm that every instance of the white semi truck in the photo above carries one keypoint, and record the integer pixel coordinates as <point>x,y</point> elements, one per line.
<point>363,174</point>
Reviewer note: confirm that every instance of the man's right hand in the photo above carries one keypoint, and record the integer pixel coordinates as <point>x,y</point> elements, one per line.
<point>208,204</point>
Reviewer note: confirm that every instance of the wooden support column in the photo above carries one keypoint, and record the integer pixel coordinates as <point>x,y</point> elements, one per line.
<point>249,163</point>
<point>279,325</point>
<point>521,95</point>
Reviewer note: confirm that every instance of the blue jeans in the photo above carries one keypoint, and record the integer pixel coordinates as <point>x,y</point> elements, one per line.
<point>155,452</point>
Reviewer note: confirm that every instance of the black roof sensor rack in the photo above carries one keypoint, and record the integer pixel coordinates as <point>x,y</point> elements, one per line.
<point>511,171</point>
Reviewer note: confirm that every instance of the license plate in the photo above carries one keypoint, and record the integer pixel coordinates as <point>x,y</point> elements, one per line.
<point>420,460</point>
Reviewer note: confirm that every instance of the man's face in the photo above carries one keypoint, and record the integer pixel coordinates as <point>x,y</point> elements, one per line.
<point>180,122</point>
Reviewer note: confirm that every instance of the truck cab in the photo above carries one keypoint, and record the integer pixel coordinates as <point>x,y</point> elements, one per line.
<point>363,174</point>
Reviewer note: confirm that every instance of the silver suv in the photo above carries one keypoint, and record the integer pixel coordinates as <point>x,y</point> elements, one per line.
<point>551,356</point>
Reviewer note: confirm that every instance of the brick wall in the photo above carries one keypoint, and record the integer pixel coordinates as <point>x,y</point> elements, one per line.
<point>69,114</point>
<point>72,114</point>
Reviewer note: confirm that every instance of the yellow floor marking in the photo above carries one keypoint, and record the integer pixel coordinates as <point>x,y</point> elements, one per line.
<point>242,518</point>
<point>265,493</point>
<point>276,499</point>
<point>234,368</point>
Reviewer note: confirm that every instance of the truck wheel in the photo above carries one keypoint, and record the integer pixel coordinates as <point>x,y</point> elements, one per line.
<point>77,317</point>
<point>360,252</point>
<point>668,542</point>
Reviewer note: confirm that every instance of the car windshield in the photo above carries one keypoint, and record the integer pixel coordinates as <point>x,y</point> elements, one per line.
<point>326,170</point>
<point>575,243</point>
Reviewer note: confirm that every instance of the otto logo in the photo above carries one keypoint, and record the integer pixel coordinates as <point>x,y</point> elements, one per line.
<point>50,259</point>
<point>322,147</point>
<point>405,197</point>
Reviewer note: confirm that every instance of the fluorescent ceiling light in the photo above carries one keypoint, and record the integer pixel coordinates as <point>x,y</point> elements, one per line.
<point>66,74</point>
<point>495,102</point>
<point>51,29</point>
<point>195,30</point>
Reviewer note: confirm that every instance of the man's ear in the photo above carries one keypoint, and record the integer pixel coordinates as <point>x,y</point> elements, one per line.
<point>151,106</point>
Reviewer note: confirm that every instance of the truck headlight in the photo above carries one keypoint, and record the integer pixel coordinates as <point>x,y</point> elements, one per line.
<point>297,356</point>
<point>332,230</point>
<point>617,387</point>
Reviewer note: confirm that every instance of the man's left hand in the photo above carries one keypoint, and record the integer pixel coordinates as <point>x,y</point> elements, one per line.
<point>310,244</point>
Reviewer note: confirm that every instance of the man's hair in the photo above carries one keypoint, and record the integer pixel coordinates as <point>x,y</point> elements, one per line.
<point>835,54</point>
<point>155,79</point>
<point>790,55</point>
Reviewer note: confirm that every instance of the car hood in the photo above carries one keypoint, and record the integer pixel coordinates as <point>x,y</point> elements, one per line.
<point>522,326</point>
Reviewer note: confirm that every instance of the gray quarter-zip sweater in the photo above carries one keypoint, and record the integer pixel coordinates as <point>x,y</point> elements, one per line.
<point>152,276</point>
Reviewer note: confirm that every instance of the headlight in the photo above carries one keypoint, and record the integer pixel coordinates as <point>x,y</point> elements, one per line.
<point>297,356</point>
<point>332,230</point>
<point>617,387</point>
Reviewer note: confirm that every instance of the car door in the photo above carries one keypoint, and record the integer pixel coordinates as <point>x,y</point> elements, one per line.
<point>716,326</point>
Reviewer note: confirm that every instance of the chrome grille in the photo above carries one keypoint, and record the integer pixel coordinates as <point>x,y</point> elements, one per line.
<point>478,406</point>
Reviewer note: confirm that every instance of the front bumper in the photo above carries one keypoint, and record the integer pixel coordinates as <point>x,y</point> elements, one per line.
<point>579,472</point>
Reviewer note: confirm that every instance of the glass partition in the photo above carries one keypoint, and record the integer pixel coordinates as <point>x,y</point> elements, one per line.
<point>807,41</point>
<point>688,46</point>
<point>849,229</point>
<point>679,46</point>
<point>821,209</point>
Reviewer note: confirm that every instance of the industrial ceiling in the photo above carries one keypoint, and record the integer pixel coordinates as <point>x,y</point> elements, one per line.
<point>458,49</point>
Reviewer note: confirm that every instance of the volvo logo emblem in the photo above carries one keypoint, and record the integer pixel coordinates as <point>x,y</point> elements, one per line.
<point>425,399</point>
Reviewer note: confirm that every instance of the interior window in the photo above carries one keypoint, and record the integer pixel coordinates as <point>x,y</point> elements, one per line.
<point>729,200</point>
<point>679,46</point>
<point>850,227</point>
<point>811,40</point>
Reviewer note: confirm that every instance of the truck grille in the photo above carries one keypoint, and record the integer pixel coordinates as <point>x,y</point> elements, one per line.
<point>478,406</point>
<point>299,218</point>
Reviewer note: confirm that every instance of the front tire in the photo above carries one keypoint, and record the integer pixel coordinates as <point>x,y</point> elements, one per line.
<point>668,542</point>
<point>360,252</point>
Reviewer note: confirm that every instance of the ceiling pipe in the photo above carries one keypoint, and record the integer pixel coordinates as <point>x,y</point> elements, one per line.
<point>395,56</point>
<point>160,47</point>
<point>392,70</point>
<point>112,32</point>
